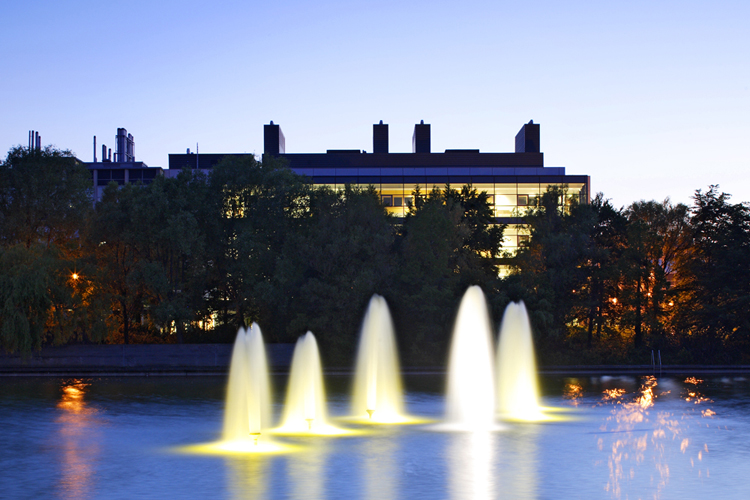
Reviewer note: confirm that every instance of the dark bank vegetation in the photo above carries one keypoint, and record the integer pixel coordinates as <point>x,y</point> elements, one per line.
<point>194,258</point>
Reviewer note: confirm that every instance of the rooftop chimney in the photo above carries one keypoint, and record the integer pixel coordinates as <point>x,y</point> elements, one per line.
<point>130,150</point>
<point>527,139</point>
<point>121,140</point>
<point>274,142</point>
<point>420,141</point>
<point>380,138</point>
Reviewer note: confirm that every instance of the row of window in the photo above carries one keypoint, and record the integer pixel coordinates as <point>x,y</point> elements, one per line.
<point>505,198</point>
<point>135,175</point>
<point>522,200</point>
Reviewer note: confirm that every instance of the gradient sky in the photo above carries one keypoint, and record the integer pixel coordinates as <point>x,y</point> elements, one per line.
<point>651,99</point>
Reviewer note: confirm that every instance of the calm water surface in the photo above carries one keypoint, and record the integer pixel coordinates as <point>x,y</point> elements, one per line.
<point>615,437</point>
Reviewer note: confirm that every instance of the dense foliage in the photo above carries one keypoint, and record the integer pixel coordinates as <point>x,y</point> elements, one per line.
<point>191,259</point>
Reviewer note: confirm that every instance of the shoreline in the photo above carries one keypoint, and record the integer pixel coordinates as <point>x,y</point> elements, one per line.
<point>168,360</point>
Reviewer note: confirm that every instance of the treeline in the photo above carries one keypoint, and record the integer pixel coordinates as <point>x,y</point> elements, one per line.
<point>610,285</point>
<point>192,259</point>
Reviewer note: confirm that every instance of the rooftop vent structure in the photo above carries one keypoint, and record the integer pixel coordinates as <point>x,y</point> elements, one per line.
<point>380,137</point>
<point>527,139</point>
<point>420,141</point>
<point>274,142</point>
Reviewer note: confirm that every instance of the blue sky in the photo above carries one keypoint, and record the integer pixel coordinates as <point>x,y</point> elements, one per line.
<point>651,99</point>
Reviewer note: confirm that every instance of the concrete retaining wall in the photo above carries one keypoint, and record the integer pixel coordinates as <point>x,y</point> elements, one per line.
<point>142,359</point>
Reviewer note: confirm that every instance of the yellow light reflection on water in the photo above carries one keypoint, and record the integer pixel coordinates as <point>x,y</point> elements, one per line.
<point>263,446</point>
<point>247,473</point>
<point>540,415</point>
<point>320,430</point>
<point>389,419</point>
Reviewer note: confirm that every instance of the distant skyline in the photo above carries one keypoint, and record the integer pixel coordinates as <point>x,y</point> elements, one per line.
<point>651,99</point>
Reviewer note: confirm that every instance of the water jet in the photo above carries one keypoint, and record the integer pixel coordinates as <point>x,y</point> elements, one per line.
<point>247,413</point>
<point>517,387</point>
<point>305,408</point>
<point>377,380</point>
<point>470,397</point>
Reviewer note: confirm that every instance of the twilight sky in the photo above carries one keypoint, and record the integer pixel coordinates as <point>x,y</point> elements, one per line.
<point>651,99</point>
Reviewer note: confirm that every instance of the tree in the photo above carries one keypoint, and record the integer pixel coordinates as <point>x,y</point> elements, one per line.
<point>608,239</point>
<point>45,196</point>
<point>254,208</point>
<point>329,268</point>
<point>550,269</point>
<point>657,237</point>
<point>44,201</point>
<point>113,237</point>
<point>148,243</point>
<point>715,279</point>
<point>447,243</point>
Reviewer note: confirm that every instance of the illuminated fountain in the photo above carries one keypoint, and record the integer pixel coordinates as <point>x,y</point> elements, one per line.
<point>517,388</point>
<point>378,396</point>
<point>305,409</point>
<point>247,414</point>
<point>470,398</point>
<point>248,410</point>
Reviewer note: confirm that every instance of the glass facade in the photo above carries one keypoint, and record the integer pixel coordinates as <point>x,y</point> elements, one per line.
<point>510,201</point>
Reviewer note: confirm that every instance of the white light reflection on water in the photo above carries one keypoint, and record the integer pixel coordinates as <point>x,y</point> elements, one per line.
<point>471,462</point>
<point>78,436</point>
<point>517,470</point>
<point>380,471</point>
<point>307,471</point>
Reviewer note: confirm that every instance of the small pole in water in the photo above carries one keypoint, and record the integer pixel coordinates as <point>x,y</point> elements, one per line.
<point>255,435</point>
<point>370,412</point>
<point>653,363</point>
<point>309,423</point>
<point>660,362</point>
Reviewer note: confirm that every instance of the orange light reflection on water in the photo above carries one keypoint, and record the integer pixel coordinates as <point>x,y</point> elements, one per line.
<point>628,445</point>
<point>634,435</point>
<point>613,394</point>
<point>574,392</point>
<point>78,440</point>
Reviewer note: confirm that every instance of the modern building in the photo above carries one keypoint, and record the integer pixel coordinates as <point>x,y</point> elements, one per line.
<point>511,180</point>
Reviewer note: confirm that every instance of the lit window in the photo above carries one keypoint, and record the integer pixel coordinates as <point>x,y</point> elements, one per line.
<point>523,200</point>
<point>387,200</point>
